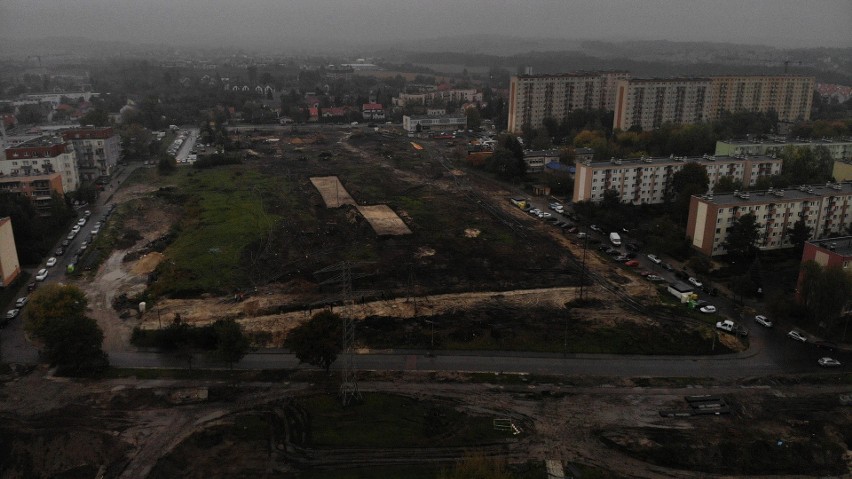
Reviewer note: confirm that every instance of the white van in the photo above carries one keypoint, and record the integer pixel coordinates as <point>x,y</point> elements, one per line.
<point>615,239</point>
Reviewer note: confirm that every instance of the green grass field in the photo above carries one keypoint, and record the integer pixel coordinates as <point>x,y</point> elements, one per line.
<point>224,214</point>
<point>385,420</point>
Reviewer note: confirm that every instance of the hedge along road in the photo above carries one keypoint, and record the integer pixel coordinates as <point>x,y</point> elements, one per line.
<point>746,364</point>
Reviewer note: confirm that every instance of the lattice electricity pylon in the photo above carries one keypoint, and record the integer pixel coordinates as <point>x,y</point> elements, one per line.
<point>348,379</point>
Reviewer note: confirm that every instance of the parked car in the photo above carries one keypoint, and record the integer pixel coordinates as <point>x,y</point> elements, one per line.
<point>827,345</point>
<point>667,267</point>
<point>797,336</point>
<point>622,258</point>
<point>654,259</point>
<point>763,320</point>
<point>828,362</point>
<point>81,221</point>
<point>51,262</point>
<point>75,230</point>
<point>644,272</point>
<point>581,235</point>
<point>31,286</point>
<point>12,313</point>
<point>726,325</point>
<point>21,302</point>
<point>632,263</point>
<point>596,228</point>
<point>41,275</point>
<point>695,282</point>
<point>654,278</point>
<point>87,213</point>
<point>66,242</point>
<point>708,309</point>
<point>59,251</point>
<point>731,327</point>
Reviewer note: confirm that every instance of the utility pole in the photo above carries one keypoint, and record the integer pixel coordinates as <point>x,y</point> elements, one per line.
<point>583,266</point>
<point>348,380</point>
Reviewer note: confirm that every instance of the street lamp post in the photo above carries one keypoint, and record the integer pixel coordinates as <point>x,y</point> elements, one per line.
<point>432,338</point>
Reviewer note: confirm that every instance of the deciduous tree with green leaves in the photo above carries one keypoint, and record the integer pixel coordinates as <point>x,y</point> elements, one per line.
<point>317,341</point>
<point>231,344</point>
<point>825,291</point>
<point>799,233</point>
<point>742,236</point>
<point>72,341</point>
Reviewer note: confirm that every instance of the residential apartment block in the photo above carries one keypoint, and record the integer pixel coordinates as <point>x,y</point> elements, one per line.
<point>42,156</point>
<point>647,180</point>
<point>98,151</point>
<point>840,148</point>
<point>10,267</point>
<point>532,98</point>
<point>432,97</point>
<point>790,96</point>
<point>39,189</point>
<point>648,103</point>
<point>826,209</point>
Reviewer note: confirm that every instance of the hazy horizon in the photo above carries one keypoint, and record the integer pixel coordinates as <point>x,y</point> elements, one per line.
<point>311,24</point>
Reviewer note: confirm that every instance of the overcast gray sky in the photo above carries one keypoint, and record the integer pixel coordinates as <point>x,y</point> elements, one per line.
<point>250,23</point>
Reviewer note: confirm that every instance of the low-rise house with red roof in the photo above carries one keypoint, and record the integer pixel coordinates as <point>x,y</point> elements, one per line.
<point>373,111</point>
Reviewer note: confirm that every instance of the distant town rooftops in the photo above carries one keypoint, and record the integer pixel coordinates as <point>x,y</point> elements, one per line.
<point>778,195</point>
<point>541,152</point>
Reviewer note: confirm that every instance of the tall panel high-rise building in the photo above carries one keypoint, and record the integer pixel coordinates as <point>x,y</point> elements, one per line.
<point>647,103</point>
<point>790,96</point>
<point>532,98</point>
<point>650,102</point>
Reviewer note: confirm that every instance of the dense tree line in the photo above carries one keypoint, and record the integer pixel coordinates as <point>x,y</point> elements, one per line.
<point>56,316</point>
<point>34,232</point>
<point>223,340</point>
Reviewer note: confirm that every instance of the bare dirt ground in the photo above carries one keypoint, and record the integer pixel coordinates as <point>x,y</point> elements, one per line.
<point>125,426</point>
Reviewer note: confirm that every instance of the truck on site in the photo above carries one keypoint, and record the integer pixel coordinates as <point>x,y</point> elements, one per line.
<point>615,239</point>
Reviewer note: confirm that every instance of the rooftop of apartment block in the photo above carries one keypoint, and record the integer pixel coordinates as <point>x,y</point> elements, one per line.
<point>776,195</point>
<point>666,160</point>
<point>841,245</point>
<point>786,141</point>
<point>44,140</point>
<point>581,73</point>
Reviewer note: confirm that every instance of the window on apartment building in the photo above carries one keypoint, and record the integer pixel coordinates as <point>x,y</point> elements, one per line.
<point>718,230</point>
